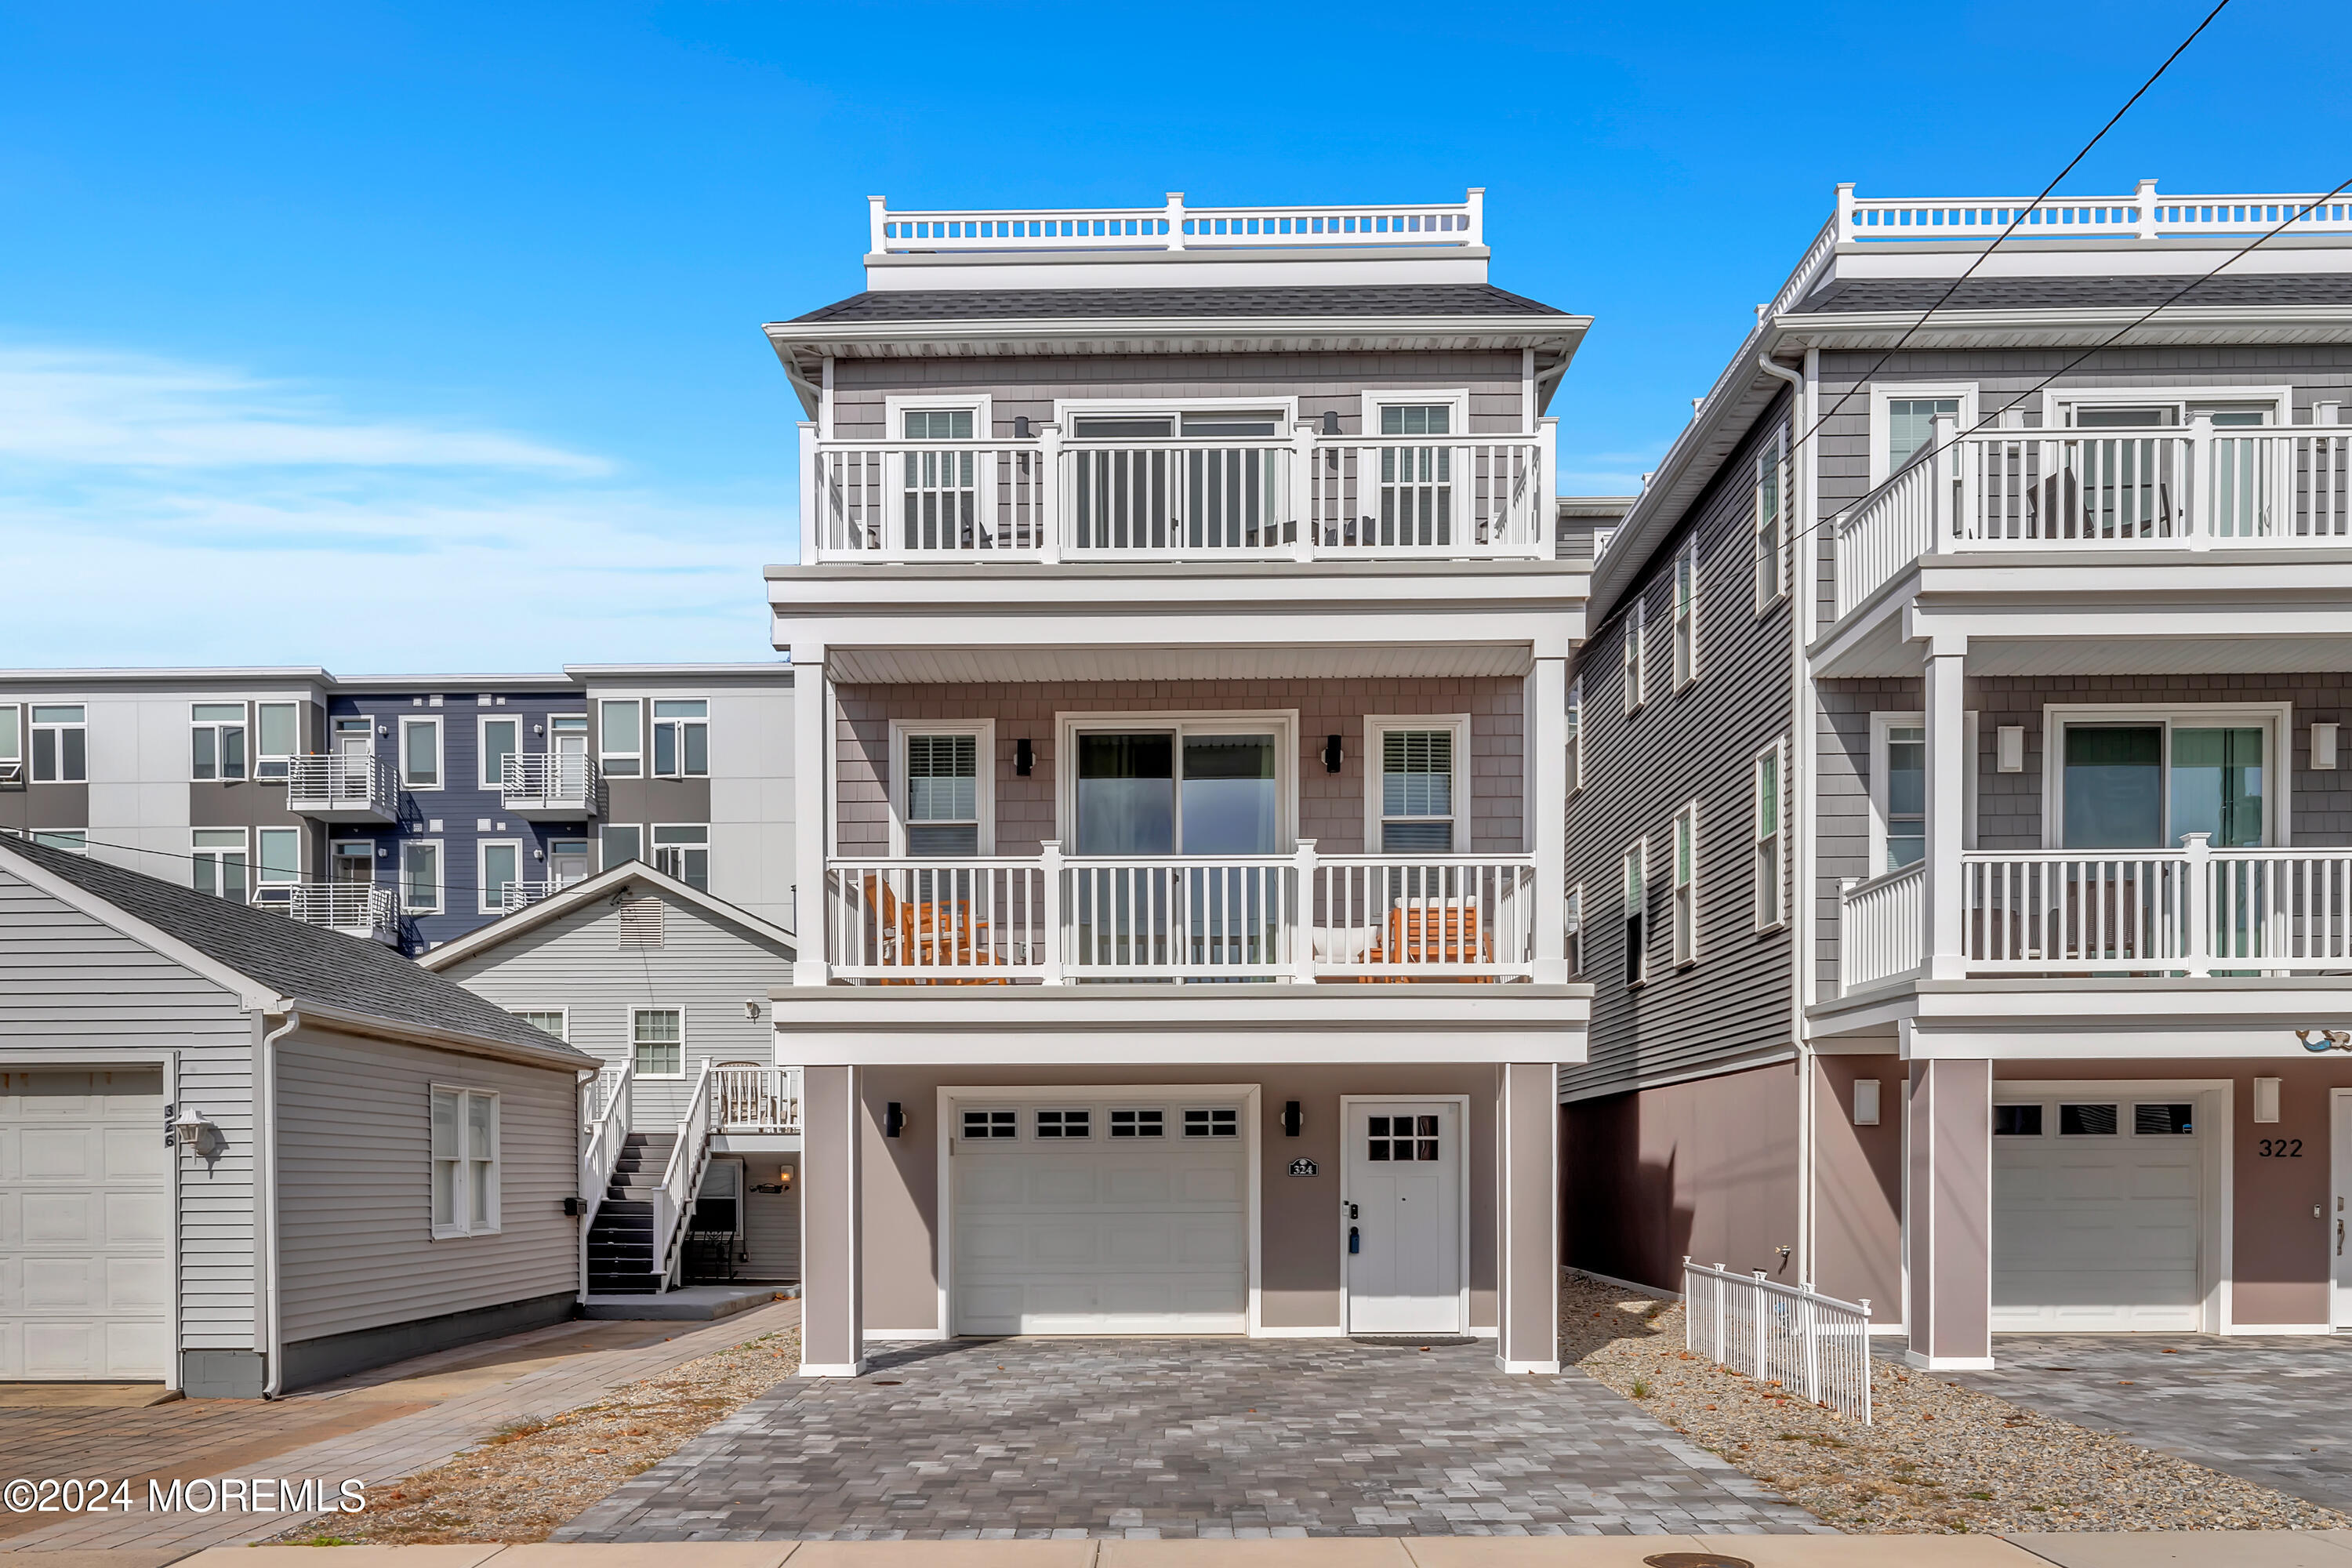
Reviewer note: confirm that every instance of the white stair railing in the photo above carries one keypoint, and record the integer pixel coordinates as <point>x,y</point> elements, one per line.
<point>1812,1345</point>
<point>607,1101</point>
<point>682,1177</point>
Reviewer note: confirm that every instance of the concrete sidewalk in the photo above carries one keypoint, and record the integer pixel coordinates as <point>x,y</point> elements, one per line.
<point>2240,1550</point>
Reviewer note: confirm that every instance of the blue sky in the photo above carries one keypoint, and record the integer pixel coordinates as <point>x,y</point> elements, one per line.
<point>426,337</point>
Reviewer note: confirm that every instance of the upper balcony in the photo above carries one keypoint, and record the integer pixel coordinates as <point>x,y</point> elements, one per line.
<point>355,909</point>
<point>551,787</point>
<point>335,787</point>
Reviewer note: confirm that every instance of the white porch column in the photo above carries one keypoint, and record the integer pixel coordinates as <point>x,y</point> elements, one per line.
<point>1547,807</point>
<point>1947,765</point>
<point>1947,1214</point>
<point>832,1252</point>
<point>1526,1172</point>
<point>811,811</point>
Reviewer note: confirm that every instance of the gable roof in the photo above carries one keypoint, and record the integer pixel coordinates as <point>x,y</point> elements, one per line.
<point>323,971</point>
<point>604,884</point>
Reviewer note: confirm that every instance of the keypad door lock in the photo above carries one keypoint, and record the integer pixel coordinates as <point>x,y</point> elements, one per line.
<point>1355,1240</point>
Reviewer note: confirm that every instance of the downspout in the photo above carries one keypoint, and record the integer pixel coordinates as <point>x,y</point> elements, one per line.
<point>1795,521</point>
<point>265,1183</point>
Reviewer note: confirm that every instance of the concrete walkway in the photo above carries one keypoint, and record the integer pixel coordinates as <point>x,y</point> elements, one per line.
<point>438,1406</point>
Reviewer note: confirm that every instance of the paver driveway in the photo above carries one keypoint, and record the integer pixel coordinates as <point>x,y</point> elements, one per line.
<point>1186,1438</point>
<point>2274,1410</point>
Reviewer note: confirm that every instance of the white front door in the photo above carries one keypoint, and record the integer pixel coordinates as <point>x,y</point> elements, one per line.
<point>85,1226</point>
<point>2339,1206</point>
<point>1403,1205</point>
<point>1100,1216</point>
<point>2097,1212</point>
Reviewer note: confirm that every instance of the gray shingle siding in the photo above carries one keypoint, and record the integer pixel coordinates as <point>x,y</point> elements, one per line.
<point>1640,770</point>
<point>1058,304</point>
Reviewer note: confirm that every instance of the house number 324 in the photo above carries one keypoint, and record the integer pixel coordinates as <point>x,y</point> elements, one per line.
<point>2281,1148</point>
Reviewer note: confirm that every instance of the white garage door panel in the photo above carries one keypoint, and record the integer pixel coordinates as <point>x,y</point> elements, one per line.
<point>1101,1235</point>
<point>2096,1233</point>
<point>85,1226</point>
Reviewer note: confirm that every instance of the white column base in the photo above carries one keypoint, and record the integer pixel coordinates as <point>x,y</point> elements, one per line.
<point>1926,1363</point>
<point>833,1369</point>
<point>1545,1368</point>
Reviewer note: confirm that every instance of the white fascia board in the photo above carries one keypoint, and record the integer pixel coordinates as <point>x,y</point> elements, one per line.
<point>1175,334</point>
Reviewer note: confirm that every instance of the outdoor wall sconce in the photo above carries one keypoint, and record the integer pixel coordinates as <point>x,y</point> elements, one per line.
<point>2266,1099</point>
<point>189,1128</point>
<point>752,1009</point>
<point>1021,426</point>
<point>538,853</point>
<point>539,728</point>
<point>1865,1102</point>
<point>1330,422</point>
<point>784,1178</point>
<point>2323,747</point>
<point>1293,1119</point>
<point>1025,758</point>
<point>894,1120</point>
<point>383,729</point>
<point>1333,754</point>
<point>2008,749</point>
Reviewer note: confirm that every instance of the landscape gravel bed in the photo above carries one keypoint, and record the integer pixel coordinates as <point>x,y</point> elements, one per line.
<point>1937,1458</point>
<point>526,1480</point>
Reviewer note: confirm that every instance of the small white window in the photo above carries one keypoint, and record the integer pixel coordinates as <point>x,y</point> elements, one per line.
<point>1686,885</point>
<point>1065,1125</point>
<point>502,875</point>
<point>1772,535</point>
<point>1575,922</point>
<point>60,744</point>
<point>1633,652</point>
<point>1575,734</point>
<point>1899,791</point>
<point>465,1162</point>
<point>278,738</point>
<point>1416,419</point>
<point>681,738</point>
<point>1637,903</point>
<point>420,754</point>
<point>220,862</point>
<point>1213,1122</point>
<point>620,723</point>
<point>280,857</point>
<point>992,1124</point>
<point>218,741</point>
<point>684,852</point>
<point>939,424</point>
<point>943,793</point>
<point>501,739</point>
<point>1771,837</point>
<point>1911,425</point>
<point>657,1041</point>
<point>420,876</point>
<point>1685,615</point>
<point>556,1021</point>
<point>1417,806</point>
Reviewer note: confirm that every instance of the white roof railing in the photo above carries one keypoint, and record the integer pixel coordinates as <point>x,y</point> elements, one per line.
<point>1175,227</point>
<point>2146,213</point>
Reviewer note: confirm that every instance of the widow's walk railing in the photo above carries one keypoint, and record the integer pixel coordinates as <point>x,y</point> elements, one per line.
<point>1175,227</point>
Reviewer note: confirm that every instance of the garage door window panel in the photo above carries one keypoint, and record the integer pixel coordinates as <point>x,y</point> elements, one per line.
<point>992,1125</point>
<point>2087,1121</point>
<point>1065,1125</point>
<point>1137,1123</point>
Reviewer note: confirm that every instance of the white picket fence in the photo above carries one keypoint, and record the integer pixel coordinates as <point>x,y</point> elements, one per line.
<point>1811,1344</point>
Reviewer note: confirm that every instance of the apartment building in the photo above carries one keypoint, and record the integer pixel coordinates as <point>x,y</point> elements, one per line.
<point>410,809</point>
<point>1954,792</point>
<point>1180,639</point>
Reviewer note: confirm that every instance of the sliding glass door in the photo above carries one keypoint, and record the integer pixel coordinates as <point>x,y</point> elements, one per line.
<point>2142,786</point>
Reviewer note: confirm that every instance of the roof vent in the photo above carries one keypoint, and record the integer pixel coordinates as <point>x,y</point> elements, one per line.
<point>641,923</point>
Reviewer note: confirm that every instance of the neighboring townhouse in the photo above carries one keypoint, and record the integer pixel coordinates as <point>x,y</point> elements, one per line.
<point>239,1155</point>
<point>409,809</point>
<point>692,1134</point>
<point>1955,788</point>
<point>1180,644</point>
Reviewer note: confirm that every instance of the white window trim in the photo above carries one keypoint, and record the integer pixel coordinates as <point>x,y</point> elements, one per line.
<point>896,405</point>
<point>255,755</point>
<point>489,906</point>
<point>1633,654</point>
<point>636,1012</point>
<point>1775,456</point>
<point>1880,724</point>
<point>1376,725</point>
<point>1456,398</point>
<point>2055,401</point>
<point>440,876</point>
<point>606,756</point>
<point>983,731</point>
<point>1575,734</point>
<point>199,853</point>
<point>301,853</point>
<point>1067,409</point>
<point>1683,626</point>
<point>1883,393</point>
<point>440,752</point>
<point>1281,721</point>
<point>564,1013</point>
<point>81,724</point>
<point>462,1196</point>
<point>1772,916</point>
<point>2276,718</point>
<point>652,749</point>
<point>482,746</point>
<point>1636,858</point>
<point>651,849</point>
<point>1683,899</point>
<point>24,744</point>
<point>335,844</point>
<point>243,725</point>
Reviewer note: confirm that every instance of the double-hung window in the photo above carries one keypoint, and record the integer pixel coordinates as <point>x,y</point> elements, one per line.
<point>1686,885</point>
<point>1685,623</point>
<point>278,738</point>
<point>620,731</point>
<point>943,793</point>
<point>220,862</point>
<point>1770,525</point>
<point>420,754</point>
<point>1416,482</point>
<point>684,852</point>
<point>217,737</point>
<point>1637,900</point>
<point>1911,425</point>
<point>1575,734</point>
<point>681,738</point>
<point>1903,751</point>
<point>420,876</point>
<point>501,739</point>
<point>1419,794</point>
<point>501,868</point>
<point>657,1041</point>
<point>1771,840</point>
<point>60,744</point>
<point>465,1162</point>
<point>1633,654</point>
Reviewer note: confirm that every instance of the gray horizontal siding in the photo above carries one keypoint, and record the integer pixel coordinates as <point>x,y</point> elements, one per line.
<point>1641,769</point>
<point>68,982</point>
<point>354,1217</point>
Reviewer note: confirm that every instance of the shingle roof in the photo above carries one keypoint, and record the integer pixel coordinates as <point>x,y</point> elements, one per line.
<point>301,961</point>
<point>1848,295</point>
<point>1164,304</point>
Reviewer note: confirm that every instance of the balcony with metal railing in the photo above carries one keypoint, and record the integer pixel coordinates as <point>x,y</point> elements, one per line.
<point>334,787</point>
<point>355,909</point>
<point>551,787</point>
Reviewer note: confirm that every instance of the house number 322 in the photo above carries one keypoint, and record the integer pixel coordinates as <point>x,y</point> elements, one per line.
<point>2281,1148</point>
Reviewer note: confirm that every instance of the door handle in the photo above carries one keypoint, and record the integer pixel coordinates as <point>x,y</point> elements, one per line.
<point>1355,1241</point>
<point>2340,1238</point>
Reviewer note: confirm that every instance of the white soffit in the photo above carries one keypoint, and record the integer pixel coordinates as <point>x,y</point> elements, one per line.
<point>964,664</point>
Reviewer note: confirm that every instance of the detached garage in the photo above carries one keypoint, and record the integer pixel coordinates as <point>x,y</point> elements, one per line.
<point>239,1155</point>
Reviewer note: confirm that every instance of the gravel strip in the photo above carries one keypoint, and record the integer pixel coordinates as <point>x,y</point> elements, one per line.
<point>1937,1458</point>
<point>527,1479</point>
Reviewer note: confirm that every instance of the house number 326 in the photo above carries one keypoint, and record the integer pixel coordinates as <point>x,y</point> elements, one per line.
<point>2281,1148</point>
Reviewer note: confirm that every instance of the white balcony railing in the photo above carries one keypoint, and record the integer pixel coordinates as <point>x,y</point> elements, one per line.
<point>2193,911</point>
<point>755,1098</point>
<point>1176,226</point>
<point>1300,497</point>
<point>354,908</point>
<point>2143,214</point>
<point>563,782</point>
<point>341,786</point>
<point>2181,487</point>
<point>513,896</point>
<point>1052,919</point>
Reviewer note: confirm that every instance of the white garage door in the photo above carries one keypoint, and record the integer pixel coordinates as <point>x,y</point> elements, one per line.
<point>85,1232</point>
<point>2096,1214</point>
<point>1100,1217</point>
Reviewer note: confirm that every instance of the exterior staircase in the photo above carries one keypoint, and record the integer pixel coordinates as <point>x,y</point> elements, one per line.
<point>621,1238</point>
